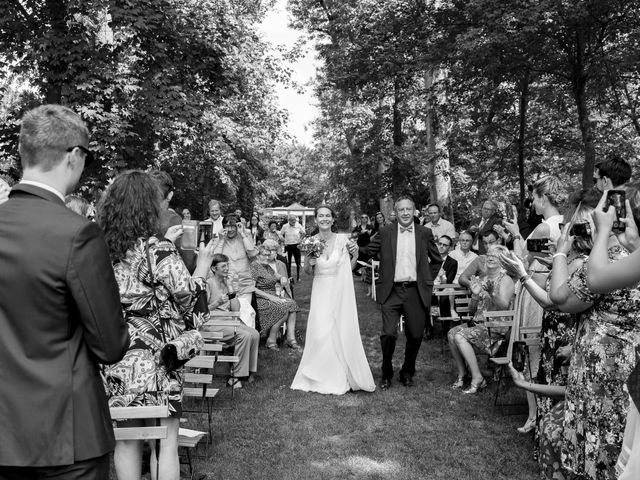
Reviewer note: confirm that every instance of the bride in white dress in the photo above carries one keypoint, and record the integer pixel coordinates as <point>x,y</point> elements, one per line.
<point>333,361</point>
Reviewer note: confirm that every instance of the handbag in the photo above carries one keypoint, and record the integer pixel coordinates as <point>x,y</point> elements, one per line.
<point>178,351</point>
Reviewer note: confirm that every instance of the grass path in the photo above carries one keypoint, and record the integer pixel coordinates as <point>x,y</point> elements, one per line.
<point>426,432</point>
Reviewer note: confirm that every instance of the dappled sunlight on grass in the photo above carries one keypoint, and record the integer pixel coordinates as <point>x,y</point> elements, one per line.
<point>358,467</point>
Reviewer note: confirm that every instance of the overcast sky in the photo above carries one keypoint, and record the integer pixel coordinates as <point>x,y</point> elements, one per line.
<point>301,106</point>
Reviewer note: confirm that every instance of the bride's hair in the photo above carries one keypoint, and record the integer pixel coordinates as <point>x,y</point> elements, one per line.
<point>333,213</point>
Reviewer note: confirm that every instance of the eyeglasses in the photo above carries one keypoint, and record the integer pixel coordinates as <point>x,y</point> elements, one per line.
<point>444,244</point>
<point>89,155</point>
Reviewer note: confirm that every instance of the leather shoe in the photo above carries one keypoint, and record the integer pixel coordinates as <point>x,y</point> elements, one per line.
<point>406,380</point>
<point>385,384</point>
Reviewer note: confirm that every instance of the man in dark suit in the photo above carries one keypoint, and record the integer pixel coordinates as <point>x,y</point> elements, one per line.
<point>60,312</point>
<point>409,262</point>
<point>446,275</point>
<point>489,217</point>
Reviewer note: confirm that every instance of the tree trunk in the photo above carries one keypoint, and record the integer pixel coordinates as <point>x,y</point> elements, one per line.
<point>579,83</point>
<point>522,131</point>
<point>438,158</point>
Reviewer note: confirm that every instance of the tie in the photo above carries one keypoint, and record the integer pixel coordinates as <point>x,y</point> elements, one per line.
<point>406,229</point>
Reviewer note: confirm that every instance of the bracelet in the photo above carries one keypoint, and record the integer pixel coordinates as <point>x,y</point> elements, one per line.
<point>524,279</point>
<point>559,254</point>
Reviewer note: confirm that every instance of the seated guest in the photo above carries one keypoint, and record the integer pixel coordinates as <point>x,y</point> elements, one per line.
<point>255,230</point>
<point>186,214</point>
<point>489,216</point>
<point>244,339</point>
<point>446,275</point>
<point>152,278</point>
<point>493,290</point>
<point>235,242</point>
<point>477,266</point>
<point>438,225</point>
<point>273,297</point>
<point>462,254</point>
<point>272,233</point>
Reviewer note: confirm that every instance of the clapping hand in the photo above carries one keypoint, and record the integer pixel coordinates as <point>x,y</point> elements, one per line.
<point>513,265</point>
<point>474,285</point>
<point>352,248</point>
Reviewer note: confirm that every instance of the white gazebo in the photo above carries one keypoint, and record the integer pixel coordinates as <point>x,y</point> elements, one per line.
<point>293,209</point>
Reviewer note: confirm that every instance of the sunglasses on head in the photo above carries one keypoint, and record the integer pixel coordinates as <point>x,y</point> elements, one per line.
<point>89,155</point>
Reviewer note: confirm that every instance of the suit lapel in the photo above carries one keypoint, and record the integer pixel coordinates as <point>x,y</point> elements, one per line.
<point>394,244</point>
<point>417,239</point>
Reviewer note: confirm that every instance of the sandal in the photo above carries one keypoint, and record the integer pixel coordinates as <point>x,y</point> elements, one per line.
<point>458,384</point>
<point>475,387</point>
<point>528,426</point>
<point>295,345</point>
<point>273,346</point>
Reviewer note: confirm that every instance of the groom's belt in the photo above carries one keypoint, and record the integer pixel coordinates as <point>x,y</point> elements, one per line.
<point>405,284</point>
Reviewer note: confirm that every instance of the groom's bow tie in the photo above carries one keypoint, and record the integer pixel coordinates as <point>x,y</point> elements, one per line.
<point>408,229</point>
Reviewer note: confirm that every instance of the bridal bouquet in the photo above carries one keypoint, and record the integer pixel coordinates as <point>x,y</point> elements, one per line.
<point>312,246</point>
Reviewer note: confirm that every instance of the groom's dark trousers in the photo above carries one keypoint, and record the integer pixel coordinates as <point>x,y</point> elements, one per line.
<point>410,299</point>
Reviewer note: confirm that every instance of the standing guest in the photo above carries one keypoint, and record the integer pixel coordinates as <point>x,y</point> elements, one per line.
<point>409,262</point>
<point>236,243</point>
<point>60,312</point>
<point>244,339</point>
<point>379,222</point>
<point>393,217</point>
<point>215,217</point>
<point>161,301</point>
<point>362,234</point>
<point>255,230</point>
<point>489,216</point>
<point>292,233</point>
<point>438,225</point>
<point>611,174</point>
<point>463,254</point>
<point>186,214</point>
<point>241,219</point>
<point>272,233</point>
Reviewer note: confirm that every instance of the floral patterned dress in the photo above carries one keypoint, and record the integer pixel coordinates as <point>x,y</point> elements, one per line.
<point>478,335</point>
<point>597,400</point>
<point>272,309</point>
<point>179,304</point>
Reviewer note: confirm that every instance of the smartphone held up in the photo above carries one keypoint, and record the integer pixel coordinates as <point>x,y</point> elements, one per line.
<point>617,200</point>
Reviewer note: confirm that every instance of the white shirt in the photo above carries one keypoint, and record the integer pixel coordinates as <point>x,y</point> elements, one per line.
<point>292,235</point>
<point>443,227</point>
<point>406,268</point>
<point>464,260</point>
<point>44,186</point>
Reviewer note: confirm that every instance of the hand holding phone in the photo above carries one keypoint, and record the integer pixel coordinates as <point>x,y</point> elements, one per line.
<point>231,295</point>
<point>617,200</point>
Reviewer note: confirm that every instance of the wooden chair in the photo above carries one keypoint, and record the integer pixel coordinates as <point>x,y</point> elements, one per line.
<point>461,297</point>
<point>374,265</point>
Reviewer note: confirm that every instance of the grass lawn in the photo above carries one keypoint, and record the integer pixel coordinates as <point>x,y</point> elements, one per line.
<point>425,432</point>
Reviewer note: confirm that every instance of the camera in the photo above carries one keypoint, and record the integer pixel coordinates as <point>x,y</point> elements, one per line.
<point>190,234</point>
<point>537,245</point>
<point>582,229</point>
<point>616,199</point>
<point>519,355</point>
<point>231,295</point>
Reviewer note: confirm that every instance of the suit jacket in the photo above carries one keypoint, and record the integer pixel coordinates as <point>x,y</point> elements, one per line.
<point>450,267</point>
<point>488,226</point>
<point>60,316</point>
<point>428,260</point>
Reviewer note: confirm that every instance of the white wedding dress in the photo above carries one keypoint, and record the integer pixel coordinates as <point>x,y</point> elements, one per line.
<point>333,361</point>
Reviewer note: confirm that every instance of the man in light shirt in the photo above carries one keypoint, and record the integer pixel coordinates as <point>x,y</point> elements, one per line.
<point>409,263</point>
<point>293,233</point>
<point>463,254</point>
<point>215,217</point>
<point>438,225</point>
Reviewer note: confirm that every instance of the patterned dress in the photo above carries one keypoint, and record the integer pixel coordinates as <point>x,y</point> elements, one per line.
<point>603,356</point>
<point>274,308</point>
<point>479,336</point>
<point>180,304</point>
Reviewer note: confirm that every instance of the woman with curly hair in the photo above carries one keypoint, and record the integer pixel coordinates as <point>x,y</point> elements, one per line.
<point>161,300</point>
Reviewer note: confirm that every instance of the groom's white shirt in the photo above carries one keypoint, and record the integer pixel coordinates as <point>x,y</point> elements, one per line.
<point>406,270</point>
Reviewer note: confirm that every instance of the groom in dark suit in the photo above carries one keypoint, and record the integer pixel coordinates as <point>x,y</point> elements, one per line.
<point>60,312</point>
<point>409,262</point>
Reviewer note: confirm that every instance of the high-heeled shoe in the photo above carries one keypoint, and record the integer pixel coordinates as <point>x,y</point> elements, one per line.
<point>475,387</point>
<point>458,384</point>
<point>529,425</point>
<point>295,345</point>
